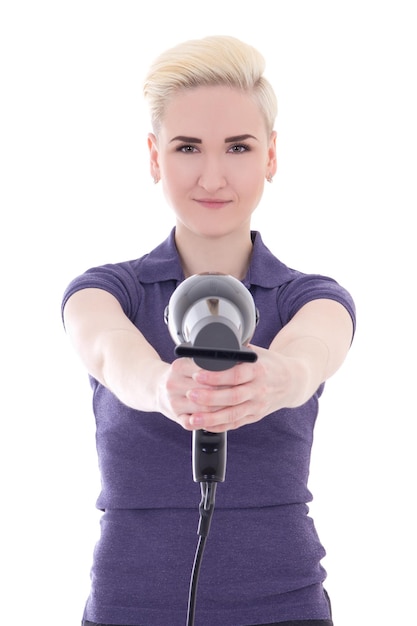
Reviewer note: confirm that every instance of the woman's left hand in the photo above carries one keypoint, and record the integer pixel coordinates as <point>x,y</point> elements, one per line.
<point>246,392</point>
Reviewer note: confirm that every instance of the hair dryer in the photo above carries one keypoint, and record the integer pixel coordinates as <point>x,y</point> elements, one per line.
<point>211,318</point>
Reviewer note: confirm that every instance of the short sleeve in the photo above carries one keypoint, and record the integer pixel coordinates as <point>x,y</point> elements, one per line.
<point>293,295</point>
<point>118,279</point>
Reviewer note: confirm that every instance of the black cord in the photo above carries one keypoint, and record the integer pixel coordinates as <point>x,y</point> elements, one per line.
<point>208,496</point>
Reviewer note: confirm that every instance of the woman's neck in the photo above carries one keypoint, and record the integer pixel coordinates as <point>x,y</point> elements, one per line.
<point>229,254</point>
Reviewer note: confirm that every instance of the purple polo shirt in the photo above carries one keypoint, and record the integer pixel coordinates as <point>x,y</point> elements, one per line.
<point>262,560</point>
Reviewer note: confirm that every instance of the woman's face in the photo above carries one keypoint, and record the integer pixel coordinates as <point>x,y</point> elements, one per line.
<point>213,154</point>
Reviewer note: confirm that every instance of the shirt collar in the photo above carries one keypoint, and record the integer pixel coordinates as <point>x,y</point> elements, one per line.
<point>265,270</point>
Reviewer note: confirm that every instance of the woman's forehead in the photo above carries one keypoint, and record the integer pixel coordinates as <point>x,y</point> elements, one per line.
<point>202,109</point>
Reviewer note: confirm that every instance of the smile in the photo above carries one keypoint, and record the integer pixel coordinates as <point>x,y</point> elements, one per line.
<point>211,203</point>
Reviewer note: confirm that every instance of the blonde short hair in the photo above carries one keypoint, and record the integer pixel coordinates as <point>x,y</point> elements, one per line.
<point>210,61</point>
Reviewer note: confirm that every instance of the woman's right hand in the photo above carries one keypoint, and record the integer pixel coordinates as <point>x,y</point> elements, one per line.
<point>174,390</point>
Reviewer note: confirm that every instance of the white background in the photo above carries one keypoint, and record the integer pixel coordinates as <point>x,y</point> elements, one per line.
<point>76,192</point>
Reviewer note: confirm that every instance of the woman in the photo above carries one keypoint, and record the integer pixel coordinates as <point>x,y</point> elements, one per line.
<point>212,148</point>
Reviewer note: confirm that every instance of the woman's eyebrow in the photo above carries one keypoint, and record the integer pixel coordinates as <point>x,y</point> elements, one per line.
<point>186,139</point>
<point>227,140</point>
<point>239,138</point>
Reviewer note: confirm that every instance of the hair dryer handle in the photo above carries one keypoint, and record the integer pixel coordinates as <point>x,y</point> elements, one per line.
<point>209,452</point>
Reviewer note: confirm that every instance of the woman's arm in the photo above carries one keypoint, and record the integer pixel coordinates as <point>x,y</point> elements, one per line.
<point>305,353</point>
<point>318,338</point>
<point>116,353</point>
<point>112,348</point>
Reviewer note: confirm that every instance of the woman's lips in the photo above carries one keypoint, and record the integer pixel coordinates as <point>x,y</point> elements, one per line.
<point>212,203</point>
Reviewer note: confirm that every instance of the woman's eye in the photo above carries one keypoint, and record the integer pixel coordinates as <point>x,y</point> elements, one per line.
<point>239,148</point>
<point>187,148</point>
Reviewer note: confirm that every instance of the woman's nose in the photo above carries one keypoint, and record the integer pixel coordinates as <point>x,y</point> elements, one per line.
<point>212,176</point>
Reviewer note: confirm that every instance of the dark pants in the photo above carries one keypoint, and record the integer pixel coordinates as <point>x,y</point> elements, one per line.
<point>310,622</point>
<point>301,622</point>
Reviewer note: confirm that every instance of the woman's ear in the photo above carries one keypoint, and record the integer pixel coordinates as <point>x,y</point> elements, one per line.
<point>153,153</point>
<point>272,155</point>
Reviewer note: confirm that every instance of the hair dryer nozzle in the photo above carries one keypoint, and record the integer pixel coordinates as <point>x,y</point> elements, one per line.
<point>212,311</point>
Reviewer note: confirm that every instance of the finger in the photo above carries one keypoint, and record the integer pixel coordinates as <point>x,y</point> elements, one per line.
<point>237,375</point>
<point>185,366</point>
<point>227,418</point>
<point>213,399</point>
<point>225,427</point>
